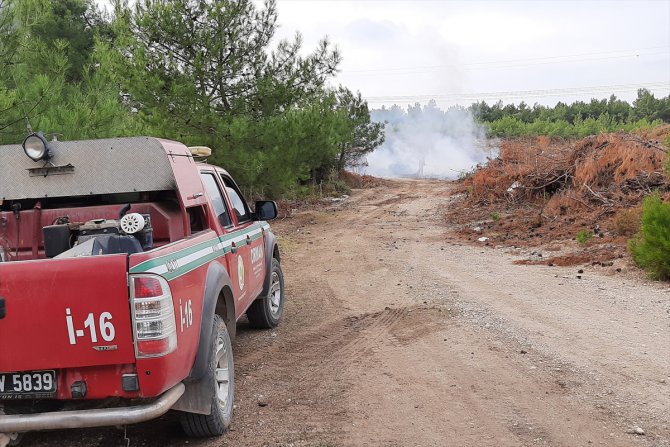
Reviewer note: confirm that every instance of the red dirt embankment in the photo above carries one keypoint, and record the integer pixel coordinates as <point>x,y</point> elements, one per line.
<point>545,192</point>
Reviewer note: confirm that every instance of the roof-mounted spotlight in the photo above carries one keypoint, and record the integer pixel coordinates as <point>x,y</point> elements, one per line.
<point>36,147</point>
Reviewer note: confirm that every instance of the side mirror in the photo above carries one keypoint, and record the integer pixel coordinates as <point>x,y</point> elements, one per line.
<point>266,210</point>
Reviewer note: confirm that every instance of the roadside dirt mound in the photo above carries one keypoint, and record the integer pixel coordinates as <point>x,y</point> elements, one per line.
<point>543,190</point>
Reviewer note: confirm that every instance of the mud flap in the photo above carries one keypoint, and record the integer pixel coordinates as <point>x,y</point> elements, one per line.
<point>196,399</point>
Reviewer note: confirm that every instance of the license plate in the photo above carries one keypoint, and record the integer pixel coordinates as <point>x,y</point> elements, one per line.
<point>27,385</point>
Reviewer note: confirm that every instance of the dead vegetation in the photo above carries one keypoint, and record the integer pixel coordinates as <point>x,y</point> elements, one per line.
<point>357,181</point>
<point>542,190</point>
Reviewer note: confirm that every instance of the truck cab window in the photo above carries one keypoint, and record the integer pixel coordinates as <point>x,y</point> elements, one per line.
<point>241,209</point>
<point>196,217</point>
<point>215,195</point>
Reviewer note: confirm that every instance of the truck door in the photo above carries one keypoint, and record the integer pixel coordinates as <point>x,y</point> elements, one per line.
<point>251,243</point>
<point>234,257</point>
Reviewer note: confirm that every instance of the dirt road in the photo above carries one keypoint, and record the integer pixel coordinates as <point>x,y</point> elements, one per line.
<point>396,336</point>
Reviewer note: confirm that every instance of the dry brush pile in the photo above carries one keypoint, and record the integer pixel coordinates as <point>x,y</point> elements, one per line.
<point>541,190</point>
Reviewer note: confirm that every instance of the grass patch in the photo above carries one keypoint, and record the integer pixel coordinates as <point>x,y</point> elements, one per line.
<point>584,236</point>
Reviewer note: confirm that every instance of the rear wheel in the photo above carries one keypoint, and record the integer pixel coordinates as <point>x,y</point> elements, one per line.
<point>267,310</point>
<point>221,378</point>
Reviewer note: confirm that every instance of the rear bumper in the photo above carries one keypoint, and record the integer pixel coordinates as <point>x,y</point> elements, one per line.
<point>91,418</point>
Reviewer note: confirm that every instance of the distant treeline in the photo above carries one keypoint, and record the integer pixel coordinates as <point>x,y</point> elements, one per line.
<point>578,119</point>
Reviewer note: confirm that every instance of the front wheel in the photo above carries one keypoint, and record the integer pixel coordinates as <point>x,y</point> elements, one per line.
<point>267,310</point>
<point>221,378</point>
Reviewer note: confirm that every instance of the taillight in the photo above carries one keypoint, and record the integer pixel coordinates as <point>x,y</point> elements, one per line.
<point>155,327</point>
<point>147,287</point>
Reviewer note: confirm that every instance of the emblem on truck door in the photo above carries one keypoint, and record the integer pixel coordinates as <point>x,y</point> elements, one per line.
<point>257,254</point>
<point>240,272</point>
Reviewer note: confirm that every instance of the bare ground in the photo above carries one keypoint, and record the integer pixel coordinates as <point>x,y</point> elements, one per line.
<point>397,335</point>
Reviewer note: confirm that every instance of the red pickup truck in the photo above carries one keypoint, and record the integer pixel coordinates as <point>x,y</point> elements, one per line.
<point>125,265</point>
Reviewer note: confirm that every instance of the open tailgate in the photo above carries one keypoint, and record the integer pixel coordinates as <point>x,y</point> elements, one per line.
<point>65,313</point>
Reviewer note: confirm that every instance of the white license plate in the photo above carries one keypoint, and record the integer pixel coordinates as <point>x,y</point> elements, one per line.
<point>27,385</point>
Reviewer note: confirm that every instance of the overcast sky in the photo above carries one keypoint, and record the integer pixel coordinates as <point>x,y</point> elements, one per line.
<point>460,51</point>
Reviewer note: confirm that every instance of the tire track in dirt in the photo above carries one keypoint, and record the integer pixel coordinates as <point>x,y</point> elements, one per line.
<point>346,341</point>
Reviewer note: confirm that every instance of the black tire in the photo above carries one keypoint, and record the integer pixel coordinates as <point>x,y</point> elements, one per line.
<point>221,372</point>
<point>267,310</point>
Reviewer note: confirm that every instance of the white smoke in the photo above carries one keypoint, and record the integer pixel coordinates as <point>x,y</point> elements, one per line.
<point>428,142</point>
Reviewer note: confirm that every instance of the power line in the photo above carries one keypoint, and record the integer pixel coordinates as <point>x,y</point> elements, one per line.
<point>505,61</point>
<point>521,62</point>
<point>658,84</point>
<point>597,89</point>
<point>499,67</point>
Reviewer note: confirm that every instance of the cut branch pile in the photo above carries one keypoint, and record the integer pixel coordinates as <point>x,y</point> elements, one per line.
<point>609,170</point>
<point>542,190</point>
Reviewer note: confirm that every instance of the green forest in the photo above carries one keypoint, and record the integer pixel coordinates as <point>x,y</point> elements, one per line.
<point>203,73</point>
<point>575,120</point>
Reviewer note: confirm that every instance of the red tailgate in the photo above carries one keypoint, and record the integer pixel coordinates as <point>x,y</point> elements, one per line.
<point>65,313</point>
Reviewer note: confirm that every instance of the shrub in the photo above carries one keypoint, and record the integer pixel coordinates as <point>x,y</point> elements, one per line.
<point>651,248</point>
<point>340,187</point>
<point>584,236</point>
<point>334,186</point>
<point>627,221</point>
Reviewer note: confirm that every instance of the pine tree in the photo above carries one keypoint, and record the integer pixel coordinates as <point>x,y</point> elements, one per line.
<point>651,249</point>
<point>362,135</point>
